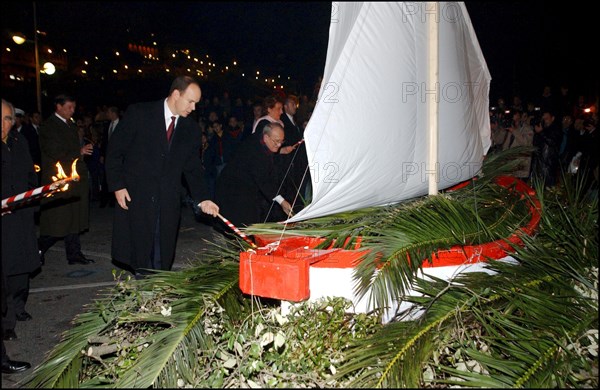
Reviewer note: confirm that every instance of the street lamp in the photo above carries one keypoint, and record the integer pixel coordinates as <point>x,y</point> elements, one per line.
<point>48,67</point>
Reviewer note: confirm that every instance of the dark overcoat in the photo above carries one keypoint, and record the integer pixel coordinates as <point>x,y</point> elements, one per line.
<point>247,185</point>
<point>19,244</point>
<point>293,166</point>
<point>64,212</point>
<point>140,159</point>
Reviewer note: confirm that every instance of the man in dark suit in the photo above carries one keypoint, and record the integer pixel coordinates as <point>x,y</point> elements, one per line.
<point>107,197</point>
<point>144,168</point>
<point>65,215</point>
<point>30,131</point>
<point>20,256</point>
<point>248,185</point>
<point>293,166</point>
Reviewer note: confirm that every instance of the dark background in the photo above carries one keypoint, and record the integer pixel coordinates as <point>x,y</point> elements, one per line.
<point>527,45</point>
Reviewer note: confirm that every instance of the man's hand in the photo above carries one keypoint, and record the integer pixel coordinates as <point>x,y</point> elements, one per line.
<point>287,208</point>
<point>122,197</point>
<point>86,150</point>
<point>209,207</point>
<point>287,149</point>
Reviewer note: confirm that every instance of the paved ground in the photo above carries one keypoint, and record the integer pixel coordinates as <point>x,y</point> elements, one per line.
<point>60,291</point>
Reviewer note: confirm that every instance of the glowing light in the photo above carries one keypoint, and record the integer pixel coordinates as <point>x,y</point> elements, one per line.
<point>19,39</point>
<point>48,68</point>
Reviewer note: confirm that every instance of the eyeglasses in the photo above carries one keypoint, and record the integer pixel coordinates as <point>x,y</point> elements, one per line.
<point>277,142</point>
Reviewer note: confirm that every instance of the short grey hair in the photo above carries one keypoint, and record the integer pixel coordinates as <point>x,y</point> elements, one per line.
<point>268,129</point>
<point>12,110</point>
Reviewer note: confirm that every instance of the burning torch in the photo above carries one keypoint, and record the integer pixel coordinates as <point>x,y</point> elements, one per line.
<point>60,183</point>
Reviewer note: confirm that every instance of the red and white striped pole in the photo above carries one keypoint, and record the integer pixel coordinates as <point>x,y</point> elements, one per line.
<point>48,189</point>
<point>237,231</point>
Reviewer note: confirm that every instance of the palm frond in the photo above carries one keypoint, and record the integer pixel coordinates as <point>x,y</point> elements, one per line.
<point>526,325</point>
<point>157,319</point>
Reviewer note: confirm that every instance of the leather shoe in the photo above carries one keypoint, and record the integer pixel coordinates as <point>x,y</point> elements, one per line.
<point>9,334</point>
<point>14,366</point>
<point>24,316</point>
<point>80,259</point>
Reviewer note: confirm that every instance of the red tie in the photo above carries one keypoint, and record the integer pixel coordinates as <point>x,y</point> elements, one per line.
<point>170,129</point>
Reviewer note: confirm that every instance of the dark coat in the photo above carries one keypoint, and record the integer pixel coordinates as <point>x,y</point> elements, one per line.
<point>545,159</point>
<point>247,185</point>
<point>293,166</point>
<point>65,212</point>
<point>139,159</point>
<point>19,244</point>
<point>33,139</point>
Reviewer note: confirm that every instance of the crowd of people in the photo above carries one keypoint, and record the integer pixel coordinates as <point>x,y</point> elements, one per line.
<point>560,132</point>
<point>245,161</point>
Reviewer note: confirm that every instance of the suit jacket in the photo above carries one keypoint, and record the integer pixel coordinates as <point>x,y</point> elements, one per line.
<point>33,140</point>
<point>294,164</point>
<point>140,159</point>
<point>247,185</point>
<point>65,212</point>
<point>19,243</point>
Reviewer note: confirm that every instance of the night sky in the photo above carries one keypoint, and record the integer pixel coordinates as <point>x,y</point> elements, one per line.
<point>526,44</point>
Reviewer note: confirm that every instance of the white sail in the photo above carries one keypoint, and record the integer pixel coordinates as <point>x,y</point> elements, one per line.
<point>366,140</point>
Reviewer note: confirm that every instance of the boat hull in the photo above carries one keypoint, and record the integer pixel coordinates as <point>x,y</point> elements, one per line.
<point>293,270</point>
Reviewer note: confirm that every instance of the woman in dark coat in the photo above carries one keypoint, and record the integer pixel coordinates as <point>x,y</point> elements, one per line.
<point>20,255</point>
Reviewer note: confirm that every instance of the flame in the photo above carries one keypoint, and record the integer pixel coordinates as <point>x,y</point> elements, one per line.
<point>74,174</point>
<point>61,175</point>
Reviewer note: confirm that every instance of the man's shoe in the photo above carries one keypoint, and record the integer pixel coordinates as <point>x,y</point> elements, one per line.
<point>14,366</point>
<point>24,316</point>
<point>80,259</point>
<point>9,334</point>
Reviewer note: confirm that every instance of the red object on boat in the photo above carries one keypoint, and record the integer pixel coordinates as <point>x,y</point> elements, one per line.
<point>280,269</point>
